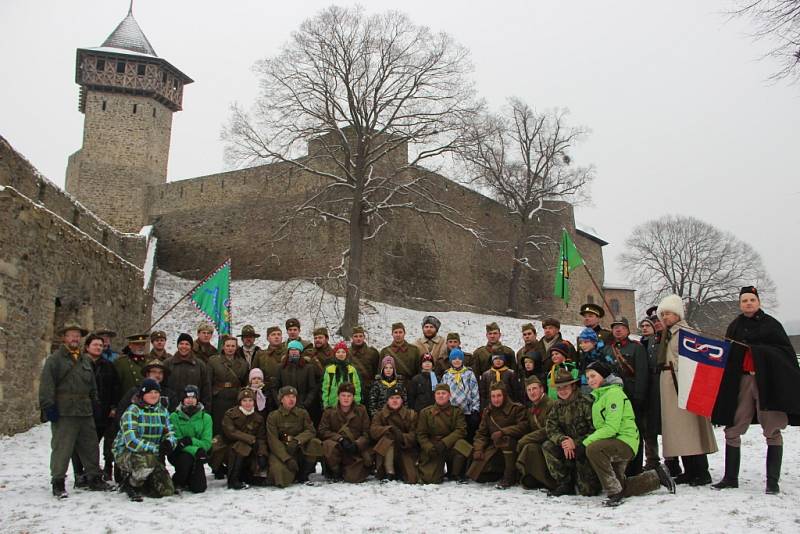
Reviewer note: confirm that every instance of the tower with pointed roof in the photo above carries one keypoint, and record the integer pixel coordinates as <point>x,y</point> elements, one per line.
<point>127,95</point>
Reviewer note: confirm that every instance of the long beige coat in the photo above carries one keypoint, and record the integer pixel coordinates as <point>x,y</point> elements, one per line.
<point>683,433</point>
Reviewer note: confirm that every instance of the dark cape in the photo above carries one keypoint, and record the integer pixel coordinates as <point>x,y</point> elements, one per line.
<point>777,370</point>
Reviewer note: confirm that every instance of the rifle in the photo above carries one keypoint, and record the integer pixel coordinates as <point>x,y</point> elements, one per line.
<point>621,359</point>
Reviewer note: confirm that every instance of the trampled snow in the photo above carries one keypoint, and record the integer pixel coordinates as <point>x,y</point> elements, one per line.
<point>27,506</point>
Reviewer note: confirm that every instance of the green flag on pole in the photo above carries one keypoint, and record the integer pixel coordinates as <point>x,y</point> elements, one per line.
<point>213,298</point>
<point>568,259</point>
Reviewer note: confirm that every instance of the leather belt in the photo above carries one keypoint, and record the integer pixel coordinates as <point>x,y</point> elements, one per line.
<point>223,385</point>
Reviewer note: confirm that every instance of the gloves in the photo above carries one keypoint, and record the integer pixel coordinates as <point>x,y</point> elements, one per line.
<point>439,446</point>
<point>580,452</point>
<point>291,465</point>
<point>397,435</point>
<point>477,455</point>
<point>497,435</point>
<point>262,462</point>
<point>201,456</point>
<point>51,413</point>
<point>348,446</point>
<point>166,447</point>
<point>184,442</point>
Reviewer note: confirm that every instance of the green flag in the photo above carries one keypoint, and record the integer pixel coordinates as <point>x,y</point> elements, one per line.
<point>568,259</point>
<point>213,298</point>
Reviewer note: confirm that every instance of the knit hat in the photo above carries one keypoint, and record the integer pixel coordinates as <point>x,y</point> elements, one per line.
<point>427,357</point>
<point>562,347</point>
<point>491,327</point>
<point>528,326</point>
<point>651,320</point>
<point>292,322</point>
<point>321,331</point>
<point>453,335</point>
<point>346,387</point>
<point>552,321</point>
<point>183,336</point>
<point>387,360</point>
<point>431,320</point>
<point>296,345</point>
<point>341,345</point>
<point>671,303</point>
<point>246,393</point>
<point>394,390</point>
<point>600,368</point>
<point>191,391</point>
<point>441,386</point>
<point>148,385</point>
<point>498,356</point>
<point>255,372</point>
<point>205,327</point>
<point>398,326</point>
<point>456,354</point>
<point>588,334</point>
<point>286,390</point>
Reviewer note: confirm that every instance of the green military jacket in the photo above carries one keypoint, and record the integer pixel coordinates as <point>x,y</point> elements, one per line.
<point>366,360</point>
<point>227,373</point>
<point>67,383</point>
<point>570,418</point>
<point>537,418</point>
<point>510,418</point>
<point>435,423</point>
<point>203,351</point>
<point>406,359</point>
<point>269,361</point>
<point>129,371</point>
<point>481,360</point>
<point>283,424</point>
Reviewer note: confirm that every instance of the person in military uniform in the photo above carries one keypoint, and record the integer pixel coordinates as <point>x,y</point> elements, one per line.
<point>109,354</point>
<point>385,381</point>
<point>242,445</point>
<point>294,448</point>
<point>153,369</point>
<point>567,425</point>
<point>104,407</point>
<point>269,360</point>
<point>406,357</point>
<point>650,340</point>
<point>129,365</point>
<point>185,368</point>
<point>67,391</point>
<point>761,383</point>
<point>344,432</point>
<point>320,355</point>
<point>158,340</point>
<point>633,368</point>
<point>550,337</point>
<point>393,429</point>
<point>364,358</point>
<point>248,350</point>
<point>293,333</point>
<point>529,349</point>
<point>531,464</point>
<point>432,343</point>
<point>298,372</point>
<point>145,436</point>
<point>441,430</point>
<point>202,349</point>
<point>482,357</point>
<point>494,454</point>
<point>227,374</point>
<point>592,313</point>
<point>499,372</point>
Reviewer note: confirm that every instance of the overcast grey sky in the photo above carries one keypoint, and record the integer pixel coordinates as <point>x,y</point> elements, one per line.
<point>682,118</point>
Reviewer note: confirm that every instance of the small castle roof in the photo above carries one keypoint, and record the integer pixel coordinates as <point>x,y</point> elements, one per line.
<point>129,36</point>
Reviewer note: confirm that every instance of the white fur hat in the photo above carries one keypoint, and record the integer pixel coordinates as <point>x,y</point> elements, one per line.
<point>671,303</point>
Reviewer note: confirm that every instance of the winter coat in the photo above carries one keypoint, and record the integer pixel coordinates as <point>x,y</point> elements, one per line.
<point>420,391</point>
<point>597,354</point>
<point>571,418</point>
<point>142,428</point>
<point>282,424</point>
<point>612,415</point>
<point>156,356</point>
<point>464,391</point>
<point>683,433</point>
<point>130,371</point>
<point>196,426</point>
<point>481,360</point>
<point>242,434</point>
<point>301,376</point>
<point>321,358</point>
<point>510,418</point>
<point>331,382</point>
<point>169,400</point>
<point>366,361</point>
<point>203,351</point>
<point>635,381</point>
<point>777,372</point>
<point>269,361</point>
<point>68,384</point>
<point>354,426</point>
<point>543,347</point>
<point>537,417</point>
<point>508,377</point>
<point>108,392</point>
<point>532,352</point>
<point>405,450</point>
<point>378,392</point>
<point>437,347</point>
<point>653,420</point>
<point>182,372</point>
<point>435,425</point>
<point>251,360</point>
<point>406,358</point>
<point>227,377</point>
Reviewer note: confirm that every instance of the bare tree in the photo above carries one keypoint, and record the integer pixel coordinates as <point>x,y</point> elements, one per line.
<point>522,158</point>
<point>777,21</point>
<point>688,257</point>
<point>360,88</point>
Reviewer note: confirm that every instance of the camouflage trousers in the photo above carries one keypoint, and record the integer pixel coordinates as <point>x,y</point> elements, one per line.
<point>609,458</point>
<point>145,471</point>
<point>574,472</point>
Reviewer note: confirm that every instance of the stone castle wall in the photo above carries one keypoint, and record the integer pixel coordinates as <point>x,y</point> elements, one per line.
<point>57,262</point>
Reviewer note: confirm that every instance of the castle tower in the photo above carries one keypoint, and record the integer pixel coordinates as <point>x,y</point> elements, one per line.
<point>128,95</point>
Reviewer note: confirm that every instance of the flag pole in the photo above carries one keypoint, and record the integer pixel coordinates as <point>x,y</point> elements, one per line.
<point>714,334</point>
<point>198,284</point>
<point>594,282</point>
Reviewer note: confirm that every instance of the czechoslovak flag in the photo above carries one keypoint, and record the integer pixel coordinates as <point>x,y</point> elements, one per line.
<point>700,368</point>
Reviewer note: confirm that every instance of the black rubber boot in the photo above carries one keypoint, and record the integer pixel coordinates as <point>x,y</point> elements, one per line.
<point>509,471</point>
<point>58,488</point>
<point>132,493</point>
<point>774,459</point>
<point>733,457</point>
<point>234,473</point>
<point>664,479</point>
<point>674,466</point>
<point>96,483</point>
<point>613,500</point>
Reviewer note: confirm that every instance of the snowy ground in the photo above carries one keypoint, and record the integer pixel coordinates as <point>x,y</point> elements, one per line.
<point>27,506</point>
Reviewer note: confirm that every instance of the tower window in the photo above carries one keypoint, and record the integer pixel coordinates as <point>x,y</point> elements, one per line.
<point>120,67</point>
<point>175,85</point>
<point>134,108</point>
<point>164,78</point>
<point>140,69</point>
<point>590,299</point>
<point>100,65</point>
<point>615,307</point>
<point>104,105</point>
<point>154,112</point>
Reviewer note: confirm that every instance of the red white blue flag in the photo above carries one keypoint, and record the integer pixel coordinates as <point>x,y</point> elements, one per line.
<point>701,364</point>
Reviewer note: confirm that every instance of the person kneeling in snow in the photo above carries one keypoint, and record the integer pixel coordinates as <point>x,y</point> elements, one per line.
<point>344,431</point>
<point>615,439</point>
<point>242,445</point>
<point>293,446</point>
<point>193,431</point>
<point>144,434</point>
<point>394,430</point>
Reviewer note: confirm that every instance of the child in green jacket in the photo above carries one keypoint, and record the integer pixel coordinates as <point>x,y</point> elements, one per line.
<point>338,372</point>
<point>193,430</point>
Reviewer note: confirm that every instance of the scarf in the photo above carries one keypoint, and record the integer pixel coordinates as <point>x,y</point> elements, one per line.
<point>456,374</point>
<point>342,370</point>
<point>190,410</point>
<point>247,412</point>
<point>498,373</point>
<point>389,383</point>
<point>261,400</point>
<point>74,354</point>
<point>434,380</point>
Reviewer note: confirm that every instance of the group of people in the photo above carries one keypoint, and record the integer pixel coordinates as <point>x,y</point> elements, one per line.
<point>566,418</point>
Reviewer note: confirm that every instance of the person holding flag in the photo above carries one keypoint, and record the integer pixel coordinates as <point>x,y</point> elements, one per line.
<point>683,433</point>
<point>761,382</point>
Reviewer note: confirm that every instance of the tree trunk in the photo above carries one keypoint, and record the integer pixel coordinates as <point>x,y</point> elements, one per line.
<point>512,309</point>
<point>352,299</point>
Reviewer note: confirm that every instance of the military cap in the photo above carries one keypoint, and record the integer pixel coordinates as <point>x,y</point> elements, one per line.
<point>292,322</point>
<point>321,331</point>
<point>248,330</point>
<point>105,332</point>
<point>358,330</point>
<point>533,379</point>
<point>621,322</point>
<point>246,393</point>
<point>591,307</point>
<point>398,326</point>
<point>154,363</point>
<point>454,335</point>
<point>564,377</point>
<point>442,387</point>
<point>205,327</point>
<point>394,390</point>
<point>529,326</point>
<point>551,321</point>
<point>491,327</point>
<point>346,387</point>
<point>137,338</point>
<point>272,329</point>
<point>498,386</point>
<point>157,334</point>
<point>651,311</point>
<point>286,390</point>
<point>71,325</point>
